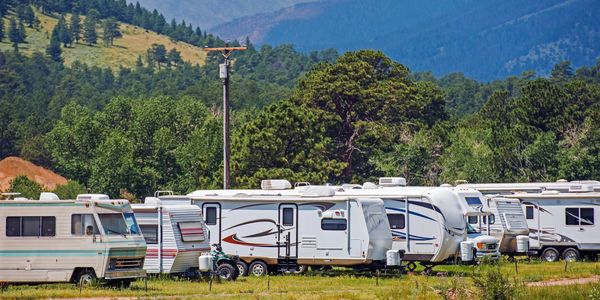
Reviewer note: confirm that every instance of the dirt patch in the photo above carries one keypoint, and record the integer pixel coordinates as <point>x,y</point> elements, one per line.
<point>12,167</point>
<point>565,281</point>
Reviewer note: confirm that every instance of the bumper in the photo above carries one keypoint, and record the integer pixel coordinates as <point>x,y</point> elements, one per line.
<point>487,255</point>
<point>125,274</point>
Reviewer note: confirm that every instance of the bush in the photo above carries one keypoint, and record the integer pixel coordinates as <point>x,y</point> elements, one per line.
<point>70,190</point>
<point>27,188</point>
<point>494,286</point>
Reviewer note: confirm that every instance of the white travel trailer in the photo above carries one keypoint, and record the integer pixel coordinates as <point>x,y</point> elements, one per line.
<point>282,232</point>
<point>175,234</point>
<point>431,233</point>
<point>562,224</point>
<point>562,186</point>
<point>69,240</point>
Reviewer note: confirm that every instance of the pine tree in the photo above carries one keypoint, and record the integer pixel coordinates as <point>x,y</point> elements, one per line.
<point>14,34</point>
<point>53,50</point>
<point>1,29</point>
<point>89,28</point>
<point>29,16</point>
<point>174,57</point>
<point>64,34</point>
<point>75,27</point>
<point>22,32</point>
<point>111,31</point>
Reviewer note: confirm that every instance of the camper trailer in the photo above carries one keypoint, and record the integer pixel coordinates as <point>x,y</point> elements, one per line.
<point>274,232</point>
<point>176,236</point>
<point>562,186</point>
<point>562,225</point>
<point>69,241</point>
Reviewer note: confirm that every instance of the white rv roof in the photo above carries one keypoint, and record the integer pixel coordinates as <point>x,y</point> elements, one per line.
<point>548,195</point>
<point>279,198</point>
<point>532,187</point>
<point>27,201</point>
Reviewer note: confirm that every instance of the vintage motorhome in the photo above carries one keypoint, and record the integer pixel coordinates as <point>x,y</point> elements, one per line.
<point>562,225</point>
<point>282,232</point>
<point>69,240</point>
<point>175,234</point>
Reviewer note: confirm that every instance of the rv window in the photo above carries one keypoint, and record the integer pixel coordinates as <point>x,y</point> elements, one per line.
<point>150,233</point>
<point>473,200</point>
<point>211,216</point>
<point>81,222</point>
<point>288,217</point>
<point>492,219</point>
<point>397,221</point>
<point>579,216</point>
<point>113,224</point>
<point>472,220</point>
<point>30,226</point>
<point>13,226</point>
<point>333,224</point>
<point>132,224</point>
<point>191,231</point>
<point>48,226</point>
<point>529,212</point>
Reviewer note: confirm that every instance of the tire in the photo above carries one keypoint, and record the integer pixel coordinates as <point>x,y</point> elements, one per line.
<point>242,267</point>
<point>550,255</point>
<point>85,277</point>
<point>258,268</point>
<point>571,254</point>
<point>227,272</point>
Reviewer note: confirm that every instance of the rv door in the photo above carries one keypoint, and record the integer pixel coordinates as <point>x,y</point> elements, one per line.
<point>212,219</point>
<point>288,231</point>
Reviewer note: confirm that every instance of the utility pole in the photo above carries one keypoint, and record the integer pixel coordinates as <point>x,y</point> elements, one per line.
<point>224,74</point>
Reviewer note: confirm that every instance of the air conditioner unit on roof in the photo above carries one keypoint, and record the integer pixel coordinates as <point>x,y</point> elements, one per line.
<point>275,184</point>
<point>392,181</point>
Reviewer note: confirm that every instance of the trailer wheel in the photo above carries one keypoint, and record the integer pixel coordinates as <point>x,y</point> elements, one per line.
<point>86,277</point>
<point>258,268</point>
<point>570,254</point>
<point>242,267</point>
<point>226,272</point>
<point>550,255</point>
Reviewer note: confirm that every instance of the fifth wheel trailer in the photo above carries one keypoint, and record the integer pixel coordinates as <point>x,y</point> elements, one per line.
<point>282,232</point>
<point>69,240</point>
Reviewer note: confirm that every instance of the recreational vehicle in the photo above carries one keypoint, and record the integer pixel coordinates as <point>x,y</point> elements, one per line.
<point>271,232</point>
<point>562,225</point>
<point>562,186</point>
<point>69,240</point>
<point>176,237</point>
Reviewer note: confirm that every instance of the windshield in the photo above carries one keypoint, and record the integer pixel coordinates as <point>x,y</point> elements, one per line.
<point>131,223</point>
<point>470,229</point>
<point>113,224</point>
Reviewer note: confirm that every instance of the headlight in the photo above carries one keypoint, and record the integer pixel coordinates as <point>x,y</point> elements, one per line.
<point>480,245</point>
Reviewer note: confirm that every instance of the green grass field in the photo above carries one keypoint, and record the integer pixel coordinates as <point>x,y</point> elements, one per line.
<point>448,282</point>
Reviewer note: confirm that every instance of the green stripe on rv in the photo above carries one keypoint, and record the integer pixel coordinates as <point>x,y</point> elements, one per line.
<point>41,204</point>
<point>15,253</point>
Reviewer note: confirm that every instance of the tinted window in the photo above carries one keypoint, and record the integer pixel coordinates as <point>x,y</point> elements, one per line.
<point>30,226</point>
<point>491,217</point>
<point>472,220</point>
<point>13,226</point>
<point>333,224</point>
<point>211,216</point>
<point>572,216</point>
<point>48,226</point>
<point>529,212</point>
<point>150,233</point>
<point>288,217</point>
<point>587,216</point>
<point>397,221</point>
<point>473,200</point>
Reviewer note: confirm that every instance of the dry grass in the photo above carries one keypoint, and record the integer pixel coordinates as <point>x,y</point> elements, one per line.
<point>124,52</point>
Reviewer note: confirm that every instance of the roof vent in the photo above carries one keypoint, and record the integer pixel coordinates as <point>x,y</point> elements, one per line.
<point>48,196</point>
<point>562,181</point>
<point>446,185</point>
<point>352,186</point>
<point>369,186</point>
<point>318,191</point>
<point>581,188</point>
<point>392,181</point>
<point>151,201</point>
<point>275,184</point>
<point>92,197</point>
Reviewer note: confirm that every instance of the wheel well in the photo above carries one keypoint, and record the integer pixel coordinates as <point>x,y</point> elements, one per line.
<point>77,271</point>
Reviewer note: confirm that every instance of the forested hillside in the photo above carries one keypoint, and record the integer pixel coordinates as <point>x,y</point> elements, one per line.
<point>307,117</point>
<point>486,40</point>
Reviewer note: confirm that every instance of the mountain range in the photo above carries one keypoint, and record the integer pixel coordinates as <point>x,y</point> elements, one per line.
<point>484,39</point>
